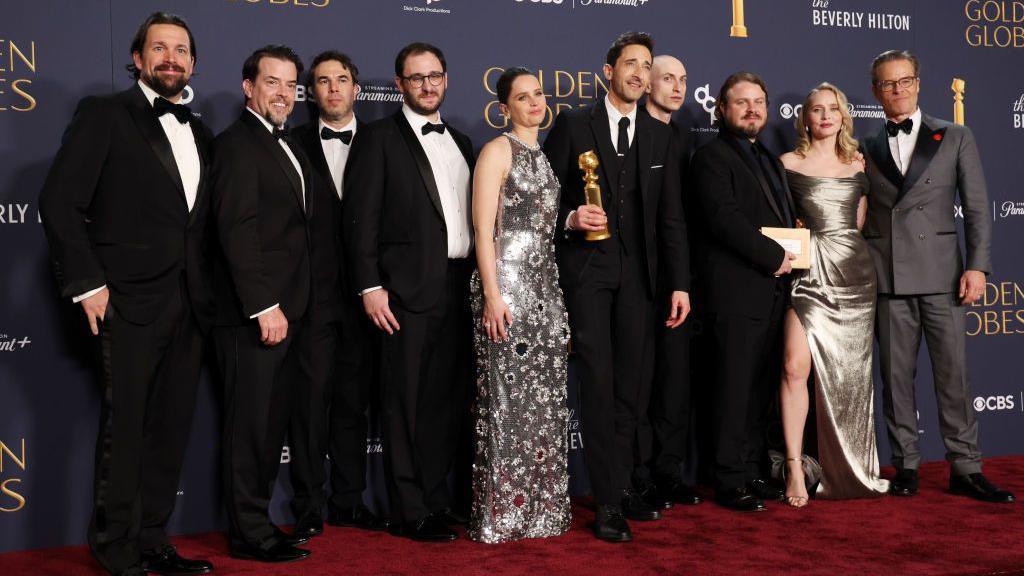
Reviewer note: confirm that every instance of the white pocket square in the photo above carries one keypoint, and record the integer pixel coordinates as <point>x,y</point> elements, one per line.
<point>658,166</point>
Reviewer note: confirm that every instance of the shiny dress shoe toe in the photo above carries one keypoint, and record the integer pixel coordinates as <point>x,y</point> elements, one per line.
<point>281,551</point>
<point>429,529</point>
<point>766,489</point>
<point>165,560</point>
<point>740,500</point>
<point>290,539</point>
<point>308,526</point>
<point>655,498</point>
<point>611,526</point>
<point>356,517</point>
<point>679,493</point>
<point>635,508</point>
<point>978,487</point>
<point>905,483</point>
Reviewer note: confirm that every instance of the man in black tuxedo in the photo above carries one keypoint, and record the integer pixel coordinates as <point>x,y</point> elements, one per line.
<point>408,235</point>
<point>329,402</point>
<point>125,210</point>
<point>742,187</point>
<point>263,197</point>
<point>610,284</point>
<point>663,434</point>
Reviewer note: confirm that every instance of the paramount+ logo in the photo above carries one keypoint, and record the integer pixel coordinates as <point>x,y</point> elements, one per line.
<point>994,403</point>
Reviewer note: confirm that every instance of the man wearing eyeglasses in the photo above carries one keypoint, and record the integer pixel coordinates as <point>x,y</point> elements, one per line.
<point>918,167</point>
<point>408,235</point>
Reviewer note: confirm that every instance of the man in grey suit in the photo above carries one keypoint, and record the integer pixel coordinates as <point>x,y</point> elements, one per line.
<point>918,166</point>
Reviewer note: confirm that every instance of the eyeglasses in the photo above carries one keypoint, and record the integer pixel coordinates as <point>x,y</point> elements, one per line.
<point>890,85</point>
<point>416,80</point>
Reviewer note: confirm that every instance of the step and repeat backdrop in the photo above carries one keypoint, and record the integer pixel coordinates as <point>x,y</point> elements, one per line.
<point>54,52</point>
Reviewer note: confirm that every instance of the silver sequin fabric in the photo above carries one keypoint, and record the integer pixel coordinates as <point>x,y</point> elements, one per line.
<point>835,302</point>
<point>520,472</point>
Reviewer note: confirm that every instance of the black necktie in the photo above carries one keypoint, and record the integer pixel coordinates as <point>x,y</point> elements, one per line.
<point>893,128</point>
<point>764,162</point>
<point>281,134</point>
<point>430,127</point>
<point>163,106</point>
<point>345,137</point>
<point>623,144</point>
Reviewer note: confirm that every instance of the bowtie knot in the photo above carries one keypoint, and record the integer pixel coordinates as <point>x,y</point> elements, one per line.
<point>328,134</point>
<point>163,106</point>
<point>282,134</point>
<point>431,127</point>
<point>894,128</point>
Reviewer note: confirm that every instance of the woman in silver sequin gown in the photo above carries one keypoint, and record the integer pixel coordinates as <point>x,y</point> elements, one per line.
<point>520,475</point>
<point>831,323</point>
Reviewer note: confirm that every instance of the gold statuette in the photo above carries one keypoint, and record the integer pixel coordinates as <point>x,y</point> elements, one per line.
<point>739,29</point>
<point>592,191</point>
<point>958,88</point>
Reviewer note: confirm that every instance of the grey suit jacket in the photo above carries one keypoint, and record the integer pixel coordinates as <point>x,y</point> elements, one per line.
<point>910,229</point>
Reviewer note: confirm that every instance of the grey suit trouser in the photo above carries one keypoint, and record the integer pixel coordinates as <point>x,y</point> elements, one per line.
<point>900,322</point>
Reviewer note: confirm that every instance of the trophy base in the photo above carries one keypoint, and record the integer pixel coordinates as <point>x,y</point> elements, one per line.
<point>600,235</point>
<point>738,32</point>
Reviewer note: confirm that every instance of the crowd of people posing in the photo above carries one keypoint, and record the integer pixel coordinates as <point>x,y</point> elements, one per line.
<point>342,261</point>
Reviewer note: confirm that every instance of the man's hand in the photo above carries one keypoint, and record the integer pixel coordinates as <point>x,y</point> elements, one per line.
<point>376,305</point>
<point>679,309</point>
<point>588,218</point>
<point>972,286</point>
<point>273,327</point>
<point>95,308</point>
<point>787,264</point>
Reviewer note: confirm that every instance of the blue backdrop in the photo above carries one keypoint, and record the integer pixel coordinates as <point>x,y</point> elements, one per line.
<point>54,52</point>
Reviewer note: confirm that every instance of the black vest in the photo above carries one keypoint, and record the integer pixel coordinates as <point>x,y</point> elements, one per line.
<point>625,216</point>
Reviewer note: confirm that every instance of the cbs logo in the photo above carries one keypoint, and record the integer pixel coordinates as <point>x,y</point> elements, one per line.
<point>993,403</point>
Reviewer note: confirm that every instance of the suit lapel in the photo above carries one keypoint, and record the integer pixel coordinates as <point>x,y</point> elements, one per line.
<point>878,150</point>
<point>204,163</point>
<point>153,133</point>
<point>780,171</point>
<point>315,151</point>
<point>422,162</point>
<point>928,143</point>
<point>643,140</point>
<point>606,154</point>
<point>756,173</point>
<point>269,143</point>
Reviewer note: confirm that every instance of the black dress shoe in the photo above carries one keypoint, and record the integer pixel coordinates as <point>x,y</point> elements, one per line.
<point>677,492</point>
<point>279,552</point>
<point>610,525</point>
<point>978,487</point>
<point>429,529</point>
<point>290,539</point>
<point>450,517</point>
<point>905,482</point>
<point>308,526</point>
<point>767,489</point>
<point>356,517</point>
<point>165,560</point>
<point>740,500</point>
<point>635,507</point>
<point>654,497</point>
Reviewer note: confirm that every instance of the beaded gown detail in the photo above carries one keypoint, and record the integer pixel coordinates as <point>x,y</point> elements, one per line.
<point>835,302</point>
<point>520,472</point>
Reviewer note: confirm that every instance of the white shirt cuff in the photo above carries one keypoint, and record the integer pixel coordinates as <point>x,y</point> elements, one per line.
<point>568,220</point>
<point>262,312</point>
<point>85,295</point>
<point>368,290</point>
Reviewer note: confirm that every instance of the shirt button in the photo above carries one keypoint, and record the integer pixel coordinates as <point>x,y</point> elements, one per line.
<point>895,209</point>
<point>921,236</point>
<point>920,207</point>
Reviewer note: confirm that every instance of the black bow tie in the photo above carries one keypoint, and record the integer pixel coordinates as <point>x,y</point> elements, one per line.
<point>281,133</point>
<point>162,106</point>
<point>429,127</point>
<point>893,128</point>
<point>327,134</point>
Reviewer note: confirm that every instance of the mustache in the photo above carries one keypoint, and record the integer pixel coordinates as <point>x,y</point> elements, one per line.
<point>169,67</point>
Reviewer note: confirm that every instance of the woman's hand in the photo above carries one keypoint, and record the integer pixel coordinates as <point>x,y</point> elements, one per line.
<point>496,317</point>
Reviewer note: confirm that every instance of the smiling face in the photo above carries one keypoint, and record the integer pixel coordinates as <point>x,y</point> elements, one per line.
<point>899,102</point>
<point>426,98</point>
<point>745,110</point>
<point>823,115</point>
<point>272,93</point>
<point>165,62</point>
<point>526,103</point>
<point>334,90</point>
<point>628,79</point>
<point>667,88</point>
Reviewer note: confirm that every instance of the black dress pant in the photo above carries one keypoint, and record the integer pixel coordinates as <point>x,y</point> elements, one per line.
<point>611,316</point>
<point>258,381</point>
<point>425,374</point>
<point>337,363</point>
<point>748,356</point>
<point>148,380</point>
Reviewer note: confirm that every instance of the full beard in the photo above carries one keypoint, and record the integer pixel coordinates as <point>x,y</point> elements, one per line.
<point>169,87</point>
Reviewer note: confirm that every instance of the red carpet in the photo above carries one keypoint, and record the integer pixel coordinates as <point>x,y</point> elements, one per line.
<point>932,533</point>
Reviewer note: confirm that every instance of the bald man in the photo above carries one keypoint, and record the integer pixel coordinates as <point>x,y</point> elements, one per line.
<point>663,430</point>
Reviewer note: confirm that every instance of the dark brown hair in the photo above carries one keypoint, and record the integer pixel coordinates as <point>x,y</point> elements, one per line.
<point>339,57</point>
<point>731,81</point>
<point>889,56</point>
<point>418,48</point>
<point>628,39</point>
<point>504,87</point>
<point>251,67</point>
<point>139,41</point>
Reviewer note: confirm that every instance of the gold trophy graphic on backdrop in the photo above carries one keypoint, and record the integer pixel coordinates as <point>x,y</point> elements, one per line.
<point>592,191</point>
<point>958,87</point>
<point>739,29</point>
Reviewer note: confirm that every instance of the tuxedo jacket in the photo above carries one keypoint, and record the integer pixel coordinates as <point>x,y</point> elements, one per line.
<point>910,228</point>
<point>736,260</point>
<point>659,185</point>
<point>330,286</point>
<point>262,225</point>
<point>114,210</point>
<point>394,229</point>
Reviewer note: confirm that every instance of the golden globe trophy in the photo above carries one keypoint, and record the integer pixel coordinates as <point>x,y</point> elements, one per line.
<point>958,87</point>
<point>592,191</point>
<point>739,29</point>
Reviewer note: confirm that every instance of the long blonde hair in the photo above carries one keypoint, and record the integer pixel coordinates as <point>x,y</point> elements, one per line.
<point>846,144</point>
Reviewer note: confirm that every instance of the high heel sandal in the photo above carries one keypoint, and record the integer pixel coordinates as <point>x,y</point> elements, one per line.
<point>795,501</point>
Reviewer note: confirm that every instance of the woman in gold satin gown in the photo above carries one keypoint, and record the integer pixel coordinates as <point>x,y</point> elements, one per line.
<point>830,326</point>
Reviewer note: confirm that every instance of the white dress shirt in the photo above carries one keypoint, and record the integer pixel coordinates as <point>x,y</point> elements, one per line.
<point>336,153</point>
<point>186,156</point>
<point>902,144</point>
